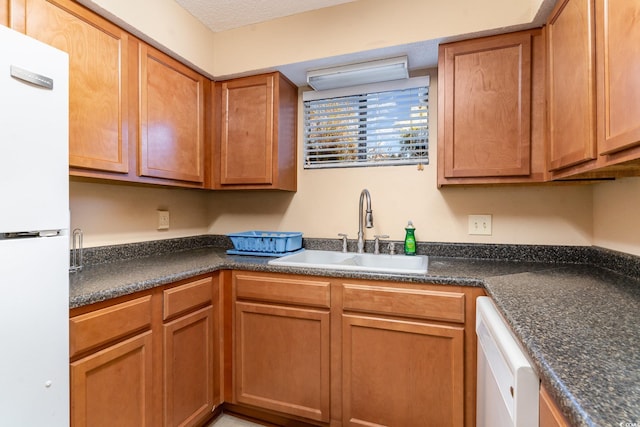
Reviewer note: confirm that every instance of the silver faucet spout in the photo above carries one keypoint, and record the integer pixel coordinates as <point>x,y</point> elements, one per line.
<point>368,218</point>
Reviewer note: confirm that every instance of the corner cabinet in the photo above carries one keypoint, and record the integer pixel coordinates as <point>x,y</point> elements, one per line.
<point>149,359</point>
<point>256,143</point>
<point>491,103</point>
<point>594,110</point>
<point>191,380</point>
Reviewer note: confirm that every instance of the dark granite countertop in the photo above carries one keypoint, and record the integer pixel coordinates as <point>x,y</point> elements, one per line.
<point>579,325</point>
<point>577,320</point>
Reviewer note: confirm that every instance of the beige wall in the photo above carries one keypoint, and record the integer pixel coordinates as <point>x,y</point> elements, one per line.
<point>110,214</point>
<point>616,215</point>
<point>359,26</point>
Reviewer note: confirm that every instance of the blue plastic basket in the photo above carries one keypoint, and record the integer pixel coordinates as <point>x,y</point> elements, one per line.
<point>272,242</point>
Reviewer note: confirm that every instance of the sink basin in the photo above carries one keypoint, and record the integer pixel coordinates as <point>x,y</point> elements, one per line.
<point>382,263</point>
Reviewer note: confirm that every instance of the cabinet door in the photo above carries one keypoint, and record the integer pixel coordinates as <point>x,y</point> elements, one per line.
<point>282,359</point>
<point>550,415</point>
<point>189,368</point>
<point>113,387</point>
<point>571,84</point>
<point>171,118</point>
<point>247,131</point>
<point>618,59</point>
<point>98,84</point>
<point>401,373</point>
<point>486,107</point>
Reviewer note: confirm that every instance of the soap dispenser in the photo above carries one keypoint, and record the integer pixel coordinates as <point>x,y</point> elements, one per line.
<point>410,239</point>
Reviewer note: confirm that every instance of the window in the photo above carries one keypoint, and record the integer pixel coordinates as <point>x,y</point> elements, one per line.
<point>373,125</point>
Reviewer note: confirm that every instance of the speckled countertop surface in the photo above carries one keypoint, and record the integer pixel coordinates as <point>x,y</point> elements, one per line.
<point>579,325</point>
<point>578,322</point>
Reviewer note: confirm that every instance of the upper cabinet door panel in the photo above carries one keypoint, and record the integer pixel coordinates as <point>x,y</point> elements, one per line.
<point>171,118</point>
<point>247,131</point>
<point>618,58</point>
<point>571,84</point>
<point>487,108</point>
<point>98,70</point>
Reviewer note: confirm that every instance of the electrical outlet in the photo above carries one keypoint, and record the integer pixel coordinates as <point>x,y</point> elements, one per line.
<point>163,220</point>
<point>480,224</point>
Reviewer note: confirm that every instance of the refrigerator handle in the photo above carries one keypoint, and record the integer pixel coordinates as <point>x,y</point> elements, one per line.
<point>31,77</point>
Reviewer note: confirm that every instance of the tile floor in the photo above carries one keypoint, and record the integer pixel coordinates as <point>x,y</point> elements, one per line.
<point>227,420</point>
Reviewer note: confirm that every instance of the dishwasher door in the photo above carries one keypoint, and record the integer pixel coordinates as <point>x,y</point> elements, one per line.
<point>508,386</point>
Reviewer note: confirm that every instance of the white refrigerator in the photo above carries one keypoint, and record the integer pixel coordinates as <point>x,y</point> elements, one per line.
<point>34,233</point>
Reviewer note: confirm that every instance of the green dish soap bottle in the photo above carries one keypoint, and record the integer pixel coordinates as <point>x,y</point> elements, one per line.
<point>410,239</point>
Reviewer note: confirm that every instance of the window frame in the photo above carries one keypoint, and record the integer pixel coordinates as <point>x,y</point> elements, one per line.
<point>398,85</point>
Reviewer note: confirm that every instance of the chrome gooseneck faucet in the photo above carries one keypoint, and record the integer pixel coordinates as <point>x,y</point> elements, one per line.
<point>368,219</point>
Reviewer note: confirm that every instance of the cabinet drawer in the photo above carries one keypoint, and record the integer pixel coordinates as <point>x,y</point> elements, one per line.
<point>422,304</point>
<point>185,297</point>
<point>99,327</point>
<point>284,290</point>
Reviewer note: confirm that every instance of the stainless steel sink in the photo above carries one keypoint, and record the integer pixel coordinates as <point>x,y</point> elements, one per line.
<point>382,263</point>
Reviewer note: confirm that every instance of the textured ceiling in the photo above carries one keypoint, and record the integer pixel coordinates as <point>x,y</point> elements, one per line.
<point>221,15</point>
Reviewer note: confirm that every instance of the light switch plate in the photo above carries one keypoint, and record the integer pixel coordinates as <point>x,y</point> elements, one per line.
<point>163,220</point>
<point>480,225</point>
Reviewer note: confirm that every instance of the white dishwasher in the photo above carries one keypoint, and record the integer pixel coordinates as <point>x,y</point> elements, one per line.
<point>508,386</point>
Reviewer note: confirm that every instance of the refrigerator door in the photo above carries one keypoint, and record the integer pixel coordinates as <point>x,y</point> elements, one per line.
<point>34,309</point>
<point>34,135</point>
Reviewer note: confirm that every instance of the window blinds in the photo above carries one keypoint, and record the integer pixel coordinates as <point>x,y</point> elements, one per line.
<point>388,127</point>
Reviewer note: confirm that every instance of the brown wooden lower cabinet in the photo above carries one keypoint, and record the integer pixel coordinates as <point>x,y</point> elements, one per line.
<point>282,359</point>
<point>114,386</point>
<point>282,350</point>
<point>550,415</point>
<point>300,349</point>
<point>149,359</point>
<point>189,368</point>
<point>357,353</point>
<point>402,373</point>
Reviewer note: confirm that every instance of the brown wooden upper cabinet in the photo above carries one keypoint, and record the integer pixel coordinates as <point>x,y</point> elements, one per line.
<point>594,107</point>
<point>618,76</point>
<point>135,114</point>
<point>571,84</point>
<point>172,137</point>
<point>256,142</point>
<point>97,49</point>
<point>491,110</point>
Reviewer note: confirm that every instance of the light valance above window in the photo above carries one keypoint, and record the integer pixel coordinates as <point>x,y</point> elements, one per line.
<point>370,125</point>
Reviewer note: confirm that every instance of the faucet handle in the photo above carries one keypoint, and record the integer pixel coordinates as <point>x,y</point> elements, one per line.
<point>376,242</point>
<point>344,241</point>
<point>392,248</point>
